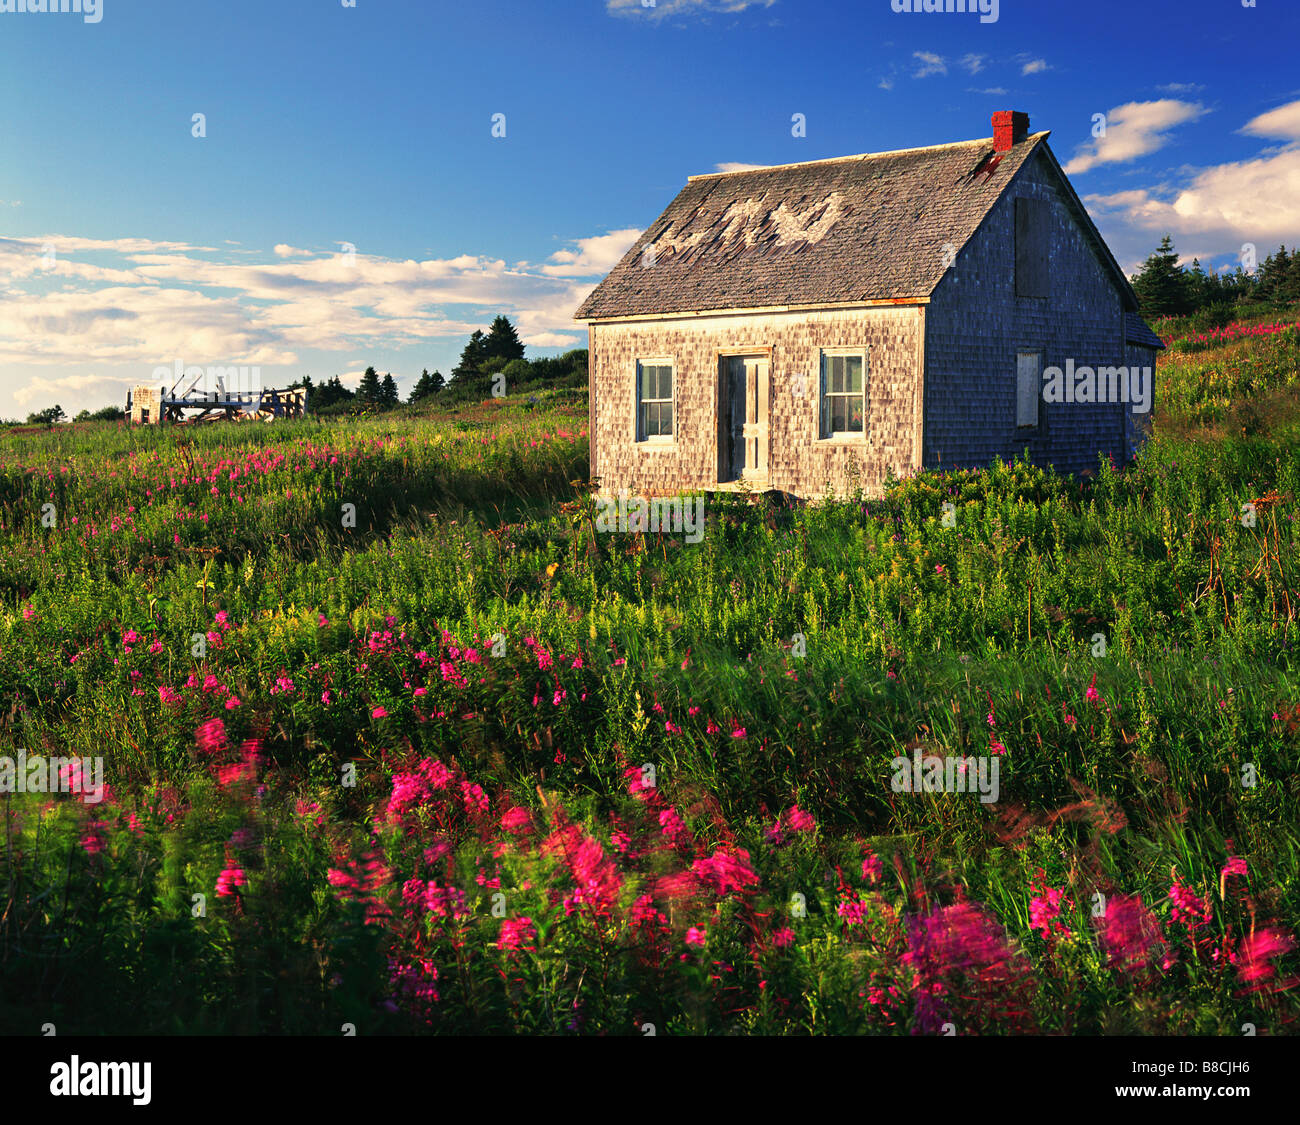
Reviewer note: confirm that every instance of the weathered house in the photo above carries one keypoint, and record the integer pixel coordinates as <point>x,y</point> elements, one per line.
<point>811,324</point>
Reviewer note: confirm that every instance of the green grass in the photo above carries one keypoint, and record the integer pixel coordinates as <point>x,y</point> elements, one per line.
<point>835,637</point>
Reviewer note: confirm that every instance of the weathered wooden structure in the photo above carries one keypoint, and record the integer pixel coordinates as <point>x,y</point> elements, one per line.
<point>810,325</point>
<point>149,405</point>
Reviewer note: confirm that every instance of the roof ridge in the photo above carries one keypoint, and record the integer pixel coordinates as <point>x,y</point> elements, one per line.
<point>856,156</point>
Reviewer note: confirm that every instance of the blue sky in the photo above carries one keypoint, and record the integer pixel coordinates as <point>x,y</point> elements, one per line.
<point>349,204</point>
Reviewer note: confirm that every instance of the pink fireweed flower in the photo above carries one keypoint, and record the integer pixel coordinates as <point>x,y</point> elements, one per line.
<point>379,713</point>
<point>1045,908</point>
<point>644,913</point>
<point>696,936</point>
<point>93,840</point>
<point>229,879</point>
<point>1092,695</point>
<point>1129,933</point>
<point>672,825</point>
<point>960,954</point>
<point>1235,866</point>
<point>636,785</point>
<point>445,902</point>
<point>517,820</point>
<point>473,797</point>
<point>1188,907</point>
<point>783,937</point>
<point>872,868</point>
<point>852,910</point>
<point>738,732</point>
<point>671,727</point>
<point>726,872</point>
<point>345,880</point>
<point>596,879</point>
<point>799,821</point>
<point>211,736</point>
<point>1257,949</point>
<point>517,933</point>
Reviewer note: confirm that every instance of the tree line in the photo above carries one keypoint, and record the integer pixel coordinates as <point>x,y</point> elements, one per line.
<point>1165,288</point>
<point>489,360</point>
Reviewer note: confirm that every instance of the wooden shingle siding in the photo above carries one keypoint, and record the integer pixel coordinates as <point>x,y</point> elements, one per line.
<point>976,323</point>
<point>798,460</point>
<point>949,268</point>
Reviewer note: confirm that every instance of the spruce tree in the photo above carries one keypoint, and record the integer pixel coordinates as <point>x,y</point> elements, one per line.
<point>503,341</point>
<point>369,390</point>
<point>1161,284</point>
<point>388,391</point>
<point>423,387</point>
<point>473,354</point>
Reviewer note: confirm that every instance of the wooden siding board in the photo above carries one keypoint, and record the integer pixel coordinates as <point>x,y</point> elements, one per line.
<point>975,323</point>
<point>799,461</point>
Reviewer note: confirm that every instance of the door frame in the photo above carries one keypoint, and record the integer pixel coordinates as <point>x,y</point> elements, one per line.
<point>721,355</point>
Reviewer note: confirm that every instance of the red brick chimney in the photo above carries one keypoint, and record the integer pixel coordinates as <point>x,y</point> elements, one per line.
<point>1010,127</point>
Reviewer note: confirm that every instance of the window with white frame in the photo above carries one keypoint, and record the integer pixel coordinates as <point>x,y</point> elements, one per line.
<point>1028,387</point>
<point>843,393</point>
<point>654,400</point>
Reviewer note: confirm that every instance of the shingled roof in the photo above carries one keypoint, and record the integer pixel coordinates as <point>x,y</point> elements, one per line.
<point>1137,332</point>
<point>851,229</point>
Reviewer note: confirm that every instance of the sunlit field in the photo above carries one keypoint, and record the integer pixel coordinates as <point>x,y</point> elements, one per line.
<point>393,736</point>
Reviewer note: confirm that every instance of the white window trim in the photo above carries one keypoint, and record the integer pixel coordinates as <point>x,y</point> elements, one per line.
<point>657,441</point>
<point>843,437</point>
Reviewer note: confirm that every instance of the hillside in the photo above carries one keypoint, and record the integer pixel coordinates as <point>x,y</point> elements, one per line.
<point>441,756</point>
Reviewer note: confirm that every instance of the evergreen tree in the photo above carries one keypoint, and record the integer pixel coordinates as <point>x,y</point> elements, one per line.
<point>1291,284</point>
<point>427,385</point>
<point>1161,284</point>
<point>369,390</point>
<point>503,341</point>
<point>471,357</point>
<point>388,391</point>
<point>1273,276</point>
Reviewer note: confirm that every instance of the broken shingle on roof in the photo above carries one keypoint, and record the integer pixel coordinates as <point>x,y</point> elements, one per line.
<point>875,227</point>
<point>1136,331</point>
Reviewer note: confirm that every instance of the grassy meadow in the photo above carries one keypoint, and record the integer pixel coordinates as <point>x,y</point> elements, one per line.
<point>394,737</point>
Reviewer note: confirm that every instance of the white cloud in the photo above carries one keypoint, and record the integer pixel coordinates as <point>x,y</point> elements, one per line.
<point>1034,66</point>
<point>1180,87</point>
<point>996,91</point>
<point>550,340</point>
<point>736,167</point>
<point>973,63</point>
<point>1283,122</point>
<point>664,8</point>
<point>284,250</point>
<point>156,301</point>
<point>75,389</point>
<point>930,64</point>
<point>1222,206</point>
<point>596,255</point>
<point>886,83</point>
<point>1132,130</point>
